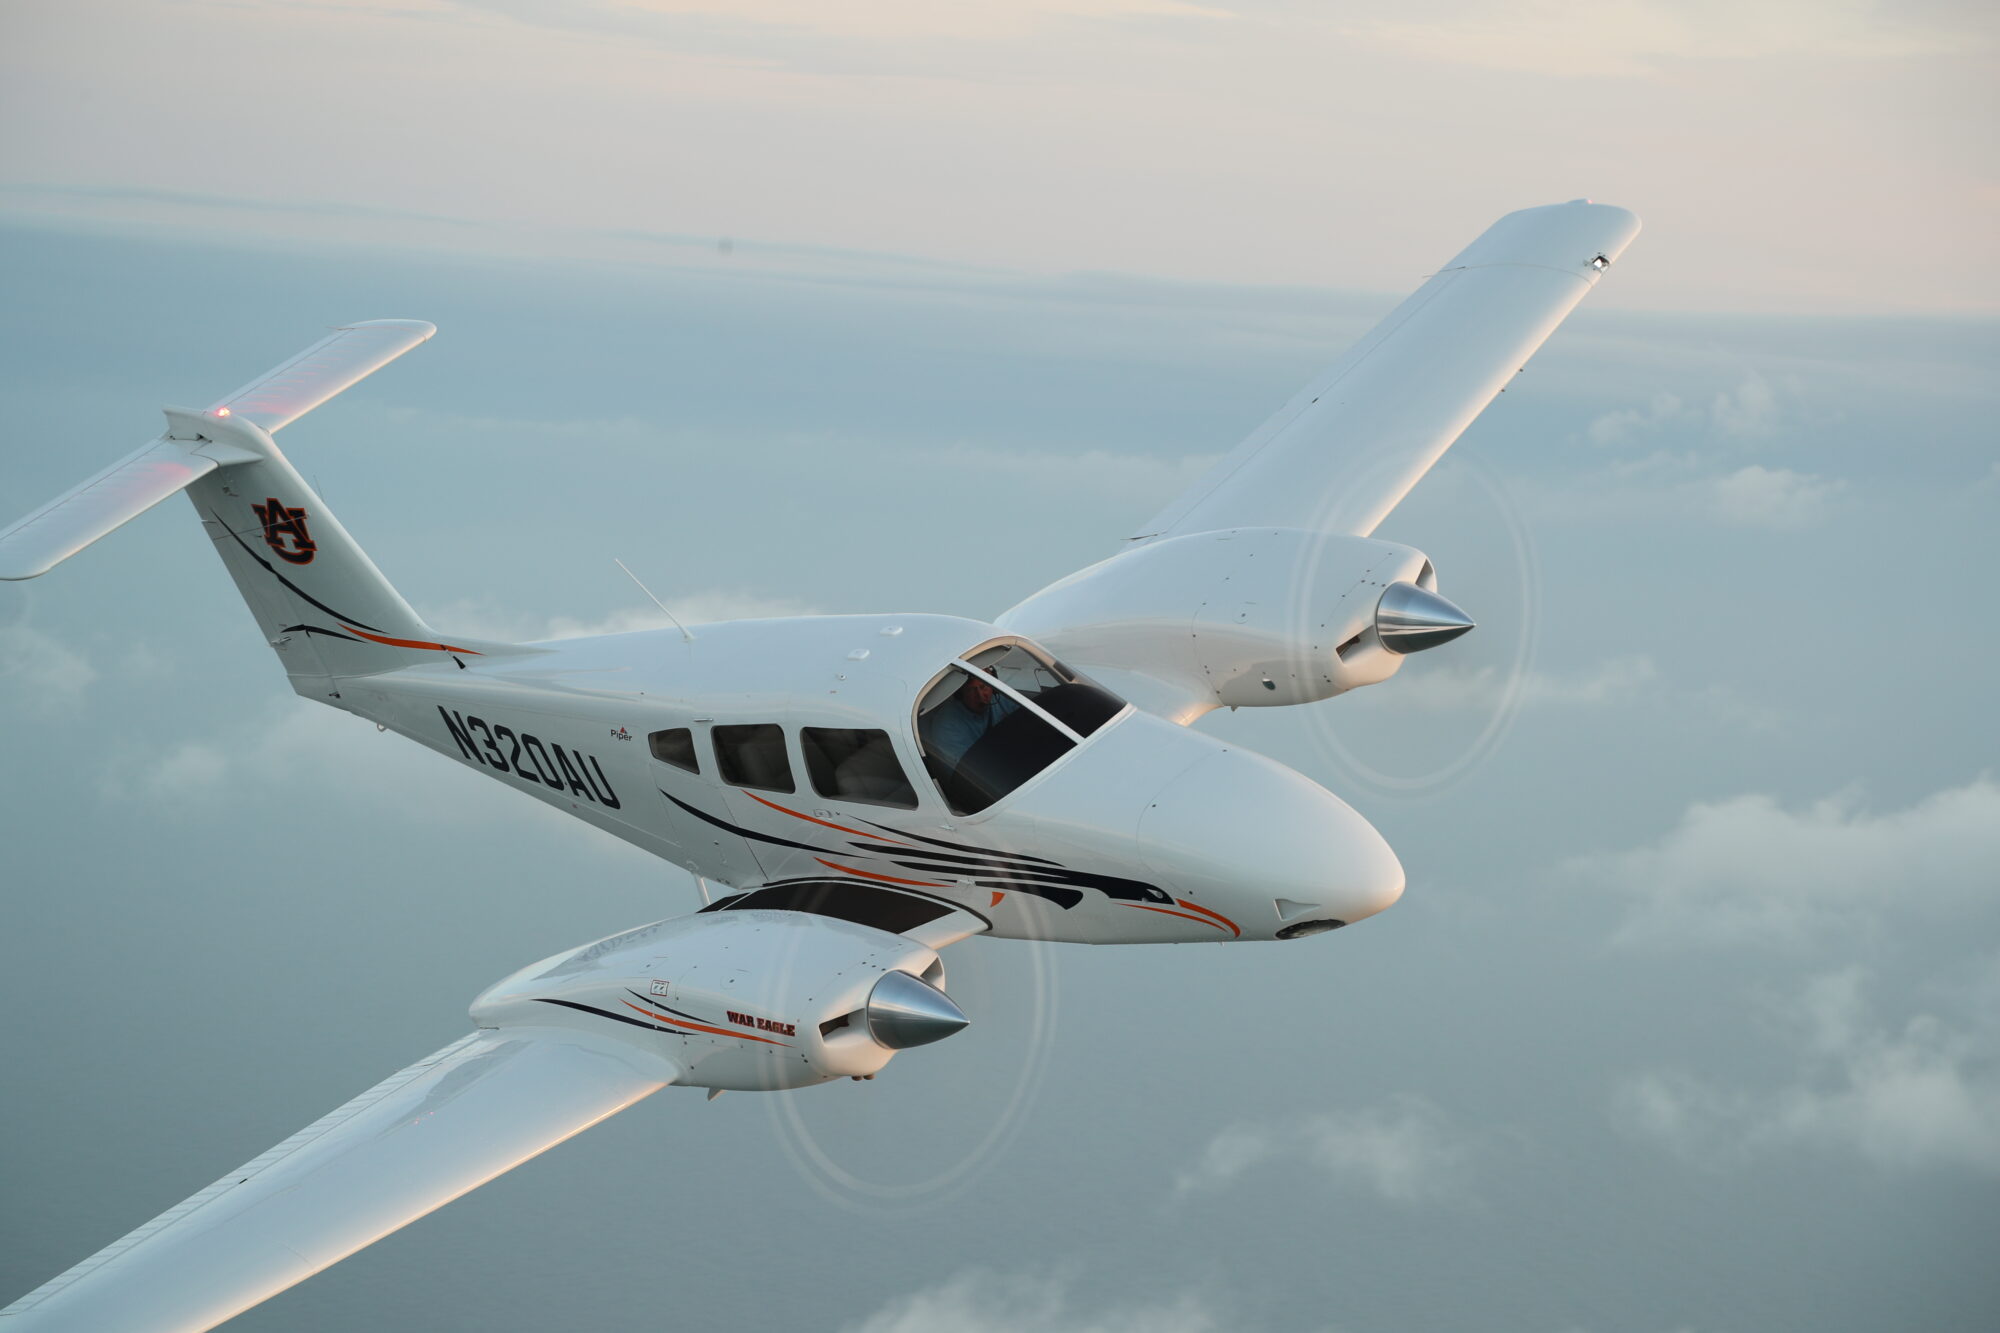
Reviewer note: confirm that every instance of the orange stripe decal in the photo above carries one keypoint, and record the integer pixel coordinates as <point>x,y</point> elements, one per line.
<point>1166,911</point>
<point>870,874</point>
<point>997,896</point>
<point>821,822</point>
<point>1197,907</point>
<point>701,1027</point>
<point>410,643</point>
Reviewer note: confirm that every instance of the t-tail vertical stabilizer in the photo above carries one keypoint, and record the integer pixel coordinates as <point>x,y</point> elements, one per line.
<point>320,602</point>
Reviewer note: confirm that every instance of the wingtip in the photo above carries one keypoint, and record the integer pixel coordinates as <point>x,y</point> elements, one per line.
<point>422,327</point>
<point>1574,235</point>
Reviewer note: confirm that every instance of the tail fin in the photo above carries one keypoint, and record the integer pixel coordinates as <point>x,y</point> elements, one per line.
<point>319,600</point>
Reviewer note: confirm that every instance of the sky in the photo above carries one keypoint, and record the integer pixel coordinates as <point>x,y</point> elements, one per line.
<point>1690,1017</point>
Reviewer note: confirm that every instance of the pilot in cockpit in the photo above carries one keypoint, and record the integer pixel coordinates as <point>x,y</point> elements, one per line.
<point>974,709</point>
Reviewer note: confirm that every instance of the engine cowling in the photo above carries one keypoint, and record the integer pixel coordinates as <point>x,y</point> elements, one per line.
<point>1247,617</point>
<point>750,999</point>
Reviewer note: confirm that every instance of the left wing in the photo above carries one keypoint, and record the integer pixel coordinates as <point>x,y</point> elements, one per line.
<point>429,1133</point>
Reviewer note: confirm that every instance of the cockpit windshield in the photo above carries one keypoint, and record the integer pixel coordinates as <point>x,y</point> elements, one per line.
<point>1079,704</point>
<point>986,732</point>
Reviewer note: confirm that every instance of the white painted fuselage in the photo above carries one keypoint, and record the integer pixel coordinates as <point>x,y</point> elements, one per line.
<point>1142,831</point>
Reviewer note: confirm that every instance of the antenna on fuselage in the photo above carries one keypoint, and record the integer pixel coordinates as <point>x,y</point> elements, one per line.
<point>656,601</point>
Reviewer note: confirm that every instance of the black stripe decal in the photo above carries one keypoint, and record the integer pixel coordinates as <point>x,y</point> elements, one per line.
<point>320,630</point>
<point>1063,898</point>
<point>666,1009</point>
<point>745,832</point>
<point>905,890</point>
<point>287,582</point>
<point>941,858</point>
<point>961,847</point>
<point>1110,885</point>
<point>606,1013</point>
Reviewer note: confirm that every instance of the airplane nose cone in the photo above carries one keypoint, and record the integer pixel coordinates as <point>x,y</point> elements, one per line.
<point>904,1011</point>
<point>1238,828</point>
<point>1410,619</point>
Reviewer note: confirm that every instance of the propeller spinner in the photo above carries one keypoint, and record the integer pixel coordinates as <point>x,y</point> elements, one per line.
<point>905,1011</point>
<point>1409,619</point>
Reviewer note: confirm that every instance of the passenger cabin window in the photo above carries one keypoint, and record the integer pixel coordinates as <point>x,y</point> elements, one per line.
<point>979,743</point>
<point>753,756</point>
<point>675,747</point>
<point>1077,702</point>
<point>855,765</point>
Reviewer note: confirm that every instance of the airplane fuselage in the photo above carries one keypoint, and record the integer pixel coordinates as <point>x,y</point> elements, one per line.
<point>1139,832</point>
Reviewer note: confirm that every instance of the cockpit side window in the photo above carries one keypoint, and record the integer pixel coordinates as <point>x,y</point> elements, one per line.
<point>855,765</point>
<point>1069,697</point>
<point>981,743</point>
<point>753,756</point>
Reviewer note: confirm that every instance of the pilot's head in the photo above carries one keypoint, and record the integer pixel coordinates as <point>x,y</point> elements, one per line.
<point>976,693</point>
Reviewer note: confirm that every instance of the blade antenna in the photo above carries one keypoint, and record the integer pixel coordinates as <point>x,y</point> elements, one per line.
<point>656,601</point>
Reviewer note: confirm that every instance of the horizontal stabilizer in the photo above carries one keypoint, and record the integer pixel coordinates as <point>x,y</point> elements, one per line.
<point>117,495</point>
<point>350,354</point>
<point>196,443</point>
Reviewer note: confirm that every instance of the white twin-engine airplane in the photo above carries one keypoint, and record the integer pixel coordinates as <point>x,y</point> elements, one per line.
<point>869,788</point>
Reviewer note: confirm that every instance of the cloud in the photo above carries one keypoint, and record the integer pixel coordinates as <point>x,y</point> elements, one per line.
<point>39,665</point>
<point>1687,484</point>
<point>190,771</point>
<point>894,22</point>
<point>1746,870</point>
<point>1749,413</point>
<point>1919,1096</point>
<point>1637,39</point>
<point>483,621</point>
<point>1628,423</point>
<point>1140,477</point>
<point>1753,410</point>
<point>981,1302</point>
<point>1453,687</point>
<point>279,753</point>
<point>1406,1151</point>
<point>1777,498</point>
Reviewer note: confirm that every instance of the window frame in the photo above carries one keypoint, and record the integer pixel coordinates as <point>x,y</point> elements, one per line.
<point>902,767</point>
<point>723,765</point>
<point>963,663</point>
<point>694,751</point>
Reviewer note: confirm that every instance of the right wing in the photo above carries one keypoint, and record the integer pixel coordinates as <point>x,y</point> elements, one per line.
<point>427,1134</point>
<point>1340,455</point>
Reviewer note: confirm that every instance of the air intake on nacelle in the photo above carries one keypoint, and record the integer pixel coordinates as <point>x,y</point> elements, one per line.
<point>1409,619</point>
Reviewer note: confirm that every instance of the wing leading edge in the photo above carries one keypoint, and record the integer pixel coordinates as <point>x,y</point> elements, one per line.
<point>1349,447</point>
<point>427,1134</point>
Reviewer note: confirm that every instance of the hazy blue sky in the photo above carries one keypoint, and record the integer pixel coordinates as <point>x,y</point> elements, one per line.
<point>1690,1019</point>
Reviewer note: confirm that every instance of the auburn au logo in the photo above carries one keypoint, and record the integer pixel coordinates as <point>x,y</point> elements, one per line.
<point>282,524</point>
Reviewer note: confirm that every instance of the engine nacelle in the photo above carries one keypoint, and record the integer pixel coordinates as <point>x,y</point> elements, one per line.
<point>741,999</point>
<point>1244,617</point>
